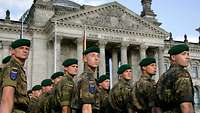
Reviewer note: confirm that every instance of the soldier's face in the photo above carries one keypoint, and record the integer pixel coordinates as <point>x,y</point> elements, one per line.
<point>105,84</point>
<point>92,59</point>
<point>181,59</point>
<point>21,52</point>
<point>57,80</point>
<point>37,93</point>
<point>47,88</point>
<point>150,69</point>
<point>127,74</point>
<point>72,69</point>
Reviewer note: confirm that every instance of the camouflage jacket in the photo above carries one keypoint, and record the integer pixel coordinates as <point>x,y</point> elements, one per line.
<point>103,100</point>
<point>63,93</point>
<point>120,96</point>
<point>13,75</point>
<point>34,106</point>
<point>87,91</point>
<point>175,87</point>
<point>145,93</point>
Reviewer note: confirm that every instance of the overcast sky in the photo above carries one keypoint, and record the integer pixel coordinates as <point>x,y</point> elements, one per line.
<point>177,16</point>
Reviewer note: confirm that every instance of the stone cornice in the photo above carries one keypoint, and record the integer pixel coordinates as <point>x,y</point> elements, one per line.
<point>111,30</point>
<point>112,5</point>
<point>44,6</point>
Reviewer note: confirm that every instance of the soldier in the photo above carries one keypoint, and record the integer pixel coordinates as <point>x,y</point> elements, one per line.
<point>14,86</point>
<point>64,90</point>
<point>145,87</point>
<point>4,62</point>
<point>86,86</point>
<point>36,93</point>
<point>120,94</point>
<point>47,86</point>
<point>57,77</point>
<point>175,87</point>
<point>104,86</point>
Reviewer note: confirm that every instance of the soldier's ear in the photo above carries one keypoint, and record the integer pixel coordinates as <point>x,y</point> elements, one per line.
<point>84,58</point>
<point>173,57</point>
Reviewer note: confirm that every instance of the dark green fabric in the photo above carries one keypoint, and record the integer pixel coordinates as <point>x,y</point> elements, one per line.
<point>178,49</point>
<point>146,61</point>
<point>57,74</point>
<point>102,78</point>
<point>46,82</point>
<point>6,59</point>
<point>123,68</point>
<point>70,61</point>
<point>91,49</point>
<point>36,87</point>
<point>20,42</point>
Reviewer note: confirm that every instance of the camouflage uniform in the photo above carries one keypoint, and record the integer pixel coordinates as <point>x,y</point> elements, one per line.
<point>34,105</point>
<point>103,100</point>
<point>87,92</point>
<point>120,96</point>
<point>14,75</point>
<point>144,91</point>
<point>44,103</point>
<point>175,87</point>
<point>63,93</point>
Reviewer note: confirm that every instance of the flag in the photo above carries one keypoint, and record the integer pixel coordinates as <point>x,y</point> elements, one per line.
<point>84,39</point>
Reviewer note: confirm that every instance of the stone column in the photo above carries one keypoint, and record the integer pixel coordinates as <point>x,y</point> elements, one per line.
<point>124,57</point>
<point>6,48</point>
<point>57,52</point>
<point>114,66</point>
<point>102,65</point>
<point>161,60</point>
<point>79,50</point>
<point>143,51</point>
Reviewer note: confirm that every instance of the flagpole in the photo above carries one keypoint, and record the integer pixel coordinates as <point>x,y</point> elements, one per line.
<point>55,47</point>
<point>84,39</point>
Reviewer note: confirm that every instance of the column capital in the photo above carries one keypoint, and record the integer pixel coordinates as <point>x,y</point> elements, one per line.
<point>79,40</point>
<point>125,44</point>
<point>102,42</point>
<point>143,47</point>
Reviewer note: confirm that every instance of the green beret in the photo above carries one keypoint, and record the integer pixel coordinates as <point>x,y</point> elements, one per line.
<point>178,49</point>
<point>123,68</point>
<point>91,49</point>
<point>46,82</point>
<point>57,74</point>
<point>69,62</point>
<point>36,87</point>
<point>102,78</point>
<point>146,61</point>
<point>6,59</point>
<point>20,42</point>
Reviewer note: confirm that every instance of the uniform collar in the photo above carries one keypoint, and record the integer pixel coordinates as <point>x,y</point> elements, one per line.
<point>146,76</point>
<point>17,61</point>
<point>68,75</point>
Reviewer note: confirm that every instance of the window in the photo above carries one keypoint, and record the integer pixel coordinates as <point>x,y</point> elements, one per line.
<point>194,71</point>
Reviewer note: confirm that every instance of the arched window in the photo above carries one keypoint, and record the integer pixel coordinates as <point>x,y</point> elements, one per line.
<point>194,70</point>
<point>166,64</point>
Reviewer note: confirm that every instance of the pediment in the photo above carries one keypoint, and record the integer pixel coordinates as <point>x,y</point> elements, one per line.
<point>112,15</point>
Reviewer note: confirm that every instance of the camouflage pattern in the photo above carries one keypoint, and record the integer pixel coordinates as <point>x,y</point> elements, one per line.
<point>87,91</point>
<point>175,87</point>
<point>145,93</point>
<point>14,75</point>
<point>44,103</point>
<point>120,96</point>
<point>34,105</point>
<point>103,100</point>
<point>63,93</point>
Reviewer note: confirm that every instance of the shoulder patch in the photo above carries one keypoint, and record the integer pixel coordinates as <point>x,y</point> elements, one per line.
<point>13,74</point>
<point>184,74</point>
<point>92,87</point>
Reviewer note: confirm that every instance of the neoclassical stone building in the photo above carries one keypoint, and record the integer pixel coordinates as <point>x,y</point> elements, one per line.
<point>57,27</point>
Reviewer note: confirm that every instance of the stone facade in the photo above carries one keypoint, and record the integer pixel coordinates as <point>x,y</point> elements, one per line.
<point>56,30</point>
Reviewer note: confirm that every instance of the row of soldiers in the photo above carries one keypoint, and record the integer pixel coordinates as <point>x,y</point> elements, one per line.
<point>65,92</point>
